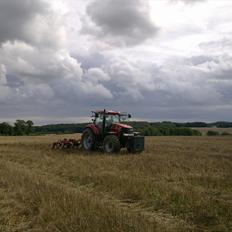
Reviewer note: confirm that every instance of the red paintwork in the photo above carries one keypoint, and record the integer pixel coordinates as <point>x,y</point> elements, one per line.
<point>93,128</point>
<point>122,125</point>
<point>116,127</point>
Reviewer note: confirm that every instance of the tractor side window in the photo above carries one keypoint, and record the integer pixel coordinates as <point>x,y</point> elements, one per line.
<point>123,118</point>
<point>109,120</point>
<point>99,121</point>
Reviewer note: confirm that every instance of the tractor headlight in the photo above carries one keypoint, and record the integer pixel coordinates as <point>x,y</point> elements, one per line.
<point>128,131</point>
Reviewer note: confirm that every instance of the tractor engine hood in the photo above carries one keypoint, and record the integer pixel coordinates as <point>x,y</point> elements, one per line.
<point>122,125</point>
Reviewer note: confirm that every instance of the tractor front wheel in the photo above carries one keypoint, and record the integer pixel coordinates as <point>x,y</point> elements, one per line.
<point>111,144</point>
<point>88,140</point>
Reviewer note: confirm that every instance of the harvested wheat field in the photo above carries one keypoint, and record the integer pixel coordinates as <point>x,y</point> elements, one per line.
<point>176,184</point>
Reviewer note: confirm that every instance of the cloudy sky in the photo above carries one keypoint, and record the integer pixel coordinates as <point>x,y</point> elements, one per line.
<point>157,59</point>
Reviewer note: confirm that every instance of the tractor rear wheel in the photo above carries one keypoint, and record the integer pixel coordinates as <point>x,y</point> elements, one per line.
<point>111,144</point>
<point>88,140</point>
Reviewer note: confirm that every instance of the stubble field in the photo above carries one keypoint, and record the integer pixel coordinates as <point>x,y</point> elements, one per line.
<point>176,184</point>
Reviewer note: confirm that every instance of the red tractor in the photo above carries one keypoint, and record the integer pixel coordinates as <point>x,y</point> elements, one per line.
<point>108,131</point>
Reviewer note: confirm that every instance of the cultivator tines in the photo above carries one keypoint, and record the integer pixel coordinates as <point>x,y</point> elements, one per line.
<point>66,144</point>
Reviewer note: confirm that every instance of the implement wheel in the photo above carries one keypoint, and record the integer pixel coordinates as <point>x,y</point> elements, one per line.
<point>88,140</point>
<point>111,144</point>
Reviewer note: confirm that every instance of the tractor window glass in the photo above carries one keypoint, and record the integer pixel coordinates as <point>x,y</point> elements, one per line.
<point>99,120</point>
<point>111,119</point>
<point>124,117</point>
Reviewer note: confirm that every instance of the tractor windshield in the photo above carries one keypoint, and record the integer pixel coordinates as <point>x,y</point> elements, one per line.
<point>112,118</point>
<point>116,118</point>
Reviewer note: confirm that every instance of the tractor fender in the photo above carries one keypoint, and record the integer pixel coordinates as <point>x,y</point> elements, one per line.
<point>94,129</point>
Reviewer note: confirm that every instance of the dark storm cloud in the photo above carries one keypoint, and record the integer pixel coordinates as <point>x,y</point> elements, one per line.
<point>123,22</point>
<point>15,16</point>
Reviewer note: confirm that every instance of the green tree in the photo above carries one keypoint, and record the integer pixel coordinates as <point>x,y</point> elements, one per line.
<point>20,127</point>
<point>29,124</point>
<point>6,129</point>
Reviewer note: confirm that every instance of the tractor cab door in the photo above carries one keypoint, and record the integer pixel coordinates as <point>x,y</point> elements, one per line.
<point>99,122</point>
<point>109,122</point>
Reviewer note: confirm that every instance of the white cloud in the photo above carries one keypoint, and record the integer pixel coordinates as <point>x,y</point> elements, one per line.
<point>48,66</point>
<point>2,74</point>
<point>128,78</point>
<point>56,70</point>
<point>95,75</point>
<point>188,1</point>
<point>4,89</point>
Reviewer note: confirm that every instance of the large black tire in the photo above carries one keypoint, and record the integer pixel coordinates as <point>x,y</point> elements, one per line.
<point>111,144</point>
<point>88,140</point>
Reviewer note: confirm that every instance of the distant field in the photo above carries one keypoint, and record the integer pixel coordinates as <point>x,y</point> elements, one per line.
<point>177,184</point>
<point>204,130</point>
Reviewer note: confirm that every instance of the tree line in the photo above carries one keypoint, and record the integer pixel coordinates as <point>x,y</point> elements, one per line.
<point>145,128</point>
<point>168,130</point>
<point>20,127</point>
<point>219,124</point>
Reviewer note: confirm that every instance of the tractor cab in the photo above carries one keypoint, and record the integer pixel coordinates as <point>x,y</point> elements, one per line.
<point>109,132</point>
<point>109,121</point>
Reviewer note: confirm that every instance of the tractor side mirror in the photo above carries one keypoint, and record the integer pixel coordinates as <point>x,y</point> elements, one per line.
<point>129,115</point>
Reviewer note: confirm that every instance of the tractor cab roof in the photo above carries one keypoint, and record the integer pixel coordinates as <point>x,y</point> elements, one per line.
<point>110,112</point>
